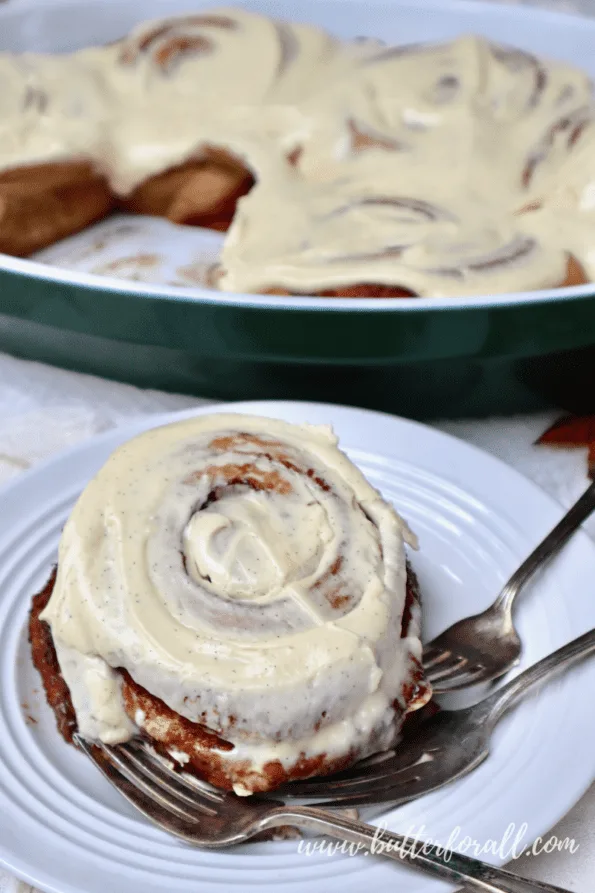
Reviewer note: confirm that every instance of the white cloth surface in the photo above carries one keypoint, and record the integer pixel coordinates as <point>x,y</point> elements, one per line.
<point>44,410</point>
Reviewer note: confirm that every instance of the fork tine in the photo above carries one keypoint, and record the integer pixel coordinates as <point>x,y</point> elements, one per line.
<point>145,803</point>
<point>396,789</point>
<point>137,776</point>
<point>461,680</point>
<point>191,783</point>
<point>408,789</point>
<point>165,778</point>
<point>402,789</point>
<point>394,768</point>
<point>433,655</point>
<point>374,760</point>
<point>310,786</point>
<point>376,778</point>
<point>444,671</point>
<point>362,790</point>
<point>154,810</point>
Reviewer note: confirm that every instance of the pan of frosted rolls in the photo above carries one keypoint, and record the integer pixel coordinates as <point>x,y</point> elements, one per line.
<point>401,201</point>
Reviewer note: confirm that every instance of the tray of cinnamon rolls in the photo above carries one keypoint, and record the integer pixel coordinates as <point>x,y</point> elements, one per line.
<point>383,206</point>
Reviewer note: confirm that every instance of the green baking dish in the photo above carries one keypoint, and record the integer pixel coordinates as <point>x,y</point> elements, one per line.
<point>416,357</point>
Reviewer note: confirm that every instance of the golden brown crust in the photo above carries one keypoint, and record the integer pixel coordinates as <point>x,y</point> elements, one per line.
<point>42,204</point>
<point>196,193</point>
<point>575,273</point>
<point>359,290</point>
<point>156,195</point>
<point>32,177</point>
<point>368,290</point>
<point>210,755</point>
<point>46,663</point>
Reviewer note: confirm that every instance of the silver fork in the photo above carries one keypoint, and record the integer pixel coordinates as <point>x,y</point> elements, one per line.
<point>445,747</point>
<point>210,818</point>
<point>485,646</point>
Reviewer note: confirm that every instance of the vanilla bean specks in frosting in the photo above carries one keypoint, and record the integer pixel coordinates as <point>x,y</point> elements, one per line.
<point>460,168</point>
<point>243,571</point>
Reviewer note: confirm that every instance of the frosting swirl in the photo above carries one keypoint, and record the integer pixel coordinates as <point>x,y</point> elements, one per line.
<point>243,571</point>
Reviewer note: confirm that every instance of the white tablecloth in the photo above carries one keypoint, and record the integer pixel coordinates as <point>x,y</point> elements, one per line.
<point>43,410</point>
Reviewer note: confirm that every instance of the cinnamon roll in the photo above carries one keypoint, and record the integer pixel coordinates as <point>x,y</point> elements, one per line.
<point>336,167</point>
<point>196,193</point>
<point>44,203</point>
<point>233,589</point>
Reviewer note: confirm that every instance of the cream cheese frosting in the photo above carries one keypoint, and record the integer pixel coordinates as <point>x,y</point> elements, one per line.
<point>243,571</point>
<point>451,169</point>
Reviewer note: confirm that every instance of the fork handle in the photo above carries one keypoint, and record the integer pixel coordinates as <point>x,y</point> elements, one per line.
<point>491,708</point>
<point>430,858</point>
<point>548,547</point>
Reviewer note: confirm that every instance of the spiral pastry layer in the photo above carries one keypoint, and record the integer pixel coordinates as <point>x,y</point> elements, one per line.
<point>234,588</point>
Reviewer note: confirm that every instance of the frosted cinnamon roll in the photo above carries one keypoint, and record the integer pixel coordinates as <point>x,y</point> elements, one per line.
<point>234,589</point>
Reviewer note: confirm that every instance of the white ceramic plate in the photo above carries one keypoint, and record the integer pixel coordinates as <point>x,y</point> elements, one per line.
<point>64,829</point>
